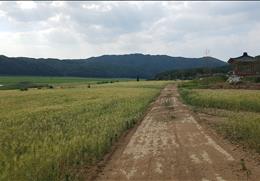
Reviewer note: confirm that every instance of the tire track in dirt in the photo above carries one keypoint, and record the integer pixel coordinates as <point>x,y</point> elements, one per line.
<point>169,144</point>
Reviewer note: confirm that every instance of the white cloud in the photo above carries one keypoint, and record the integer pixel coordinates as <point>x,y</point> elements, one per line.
<point>58,4</point>
<point>82,29</point>
<point>27,4</point>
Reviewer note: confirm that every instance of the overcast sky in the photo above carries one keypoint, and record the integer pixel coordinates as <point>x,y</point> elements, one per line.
<point>85,29</point>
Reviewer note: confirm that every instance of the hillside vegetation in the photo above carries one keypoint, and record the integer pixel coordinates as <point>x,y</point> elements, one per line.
<point>48,134</point>
<point>130,66</point>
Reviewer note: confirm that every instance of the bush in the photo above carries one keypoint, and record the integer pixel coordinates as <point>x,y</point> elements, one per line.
<point>23,89</point>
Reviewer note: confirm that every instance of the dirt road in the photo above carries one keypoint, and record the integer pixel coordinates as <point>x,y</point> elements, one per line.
<point>170,144</point>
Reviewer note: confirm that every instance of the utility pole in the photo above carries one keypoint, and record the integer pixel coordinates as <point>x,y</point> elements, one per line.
<point>207,52</point>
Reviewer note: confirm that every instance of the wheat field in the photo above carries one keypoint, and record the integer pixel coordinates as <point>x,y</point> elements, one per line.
<point>45,134</point>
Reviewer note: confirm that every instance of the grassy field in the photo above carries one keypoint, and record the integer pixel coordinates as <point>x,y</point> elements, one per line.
<point>237,100</point>
<point>243,123</point>
<point>47,134</point>
<point>17,82</point>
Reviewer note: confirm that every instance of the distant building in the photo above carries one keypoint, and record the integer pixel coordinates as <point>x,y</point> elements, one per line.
<point>245,65</point>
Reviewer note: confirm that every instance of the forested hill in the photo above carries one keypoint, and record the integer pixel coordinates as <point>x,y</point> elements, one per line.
<point>132,65</point>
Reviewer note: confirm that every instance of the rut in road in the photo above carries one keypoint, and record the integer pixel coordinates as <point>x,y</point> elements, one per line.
<point>169,144</point>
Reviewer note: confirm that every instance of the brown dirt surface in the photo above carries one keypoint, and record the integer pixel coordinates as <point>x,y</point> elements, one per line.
<point>170,144</point>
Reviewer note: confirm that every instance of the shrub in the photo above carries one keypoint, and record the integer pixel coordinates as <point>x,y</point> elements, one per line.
<point>23,89</point>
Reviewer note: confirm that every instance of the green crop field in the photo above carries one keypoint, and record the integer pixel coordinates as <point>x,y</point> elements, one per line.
<point>46,134</point>
<point>51,80</point>
<point>18,82</point>
<point>243,115</point>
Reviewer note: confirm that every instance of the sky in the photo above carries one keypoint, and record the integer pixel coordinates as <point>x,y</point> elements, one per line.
<point>85,29</point>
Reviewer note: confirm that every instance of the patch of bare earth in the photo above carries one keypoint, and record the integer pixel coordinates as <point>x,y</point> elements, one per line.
<point>170,144</point>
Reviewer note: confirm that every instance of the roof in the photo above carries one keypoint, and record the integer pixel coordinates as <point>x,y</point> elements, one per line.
<point>244,58</point>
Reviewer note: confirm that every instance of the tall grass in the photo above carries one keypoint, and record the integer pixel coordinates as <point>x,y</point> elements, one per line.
<point>45,134</point>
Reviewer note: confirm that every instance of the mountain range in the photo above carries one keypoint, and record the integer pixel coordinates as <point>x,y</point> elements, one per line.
<point>128,66</point>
